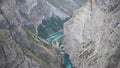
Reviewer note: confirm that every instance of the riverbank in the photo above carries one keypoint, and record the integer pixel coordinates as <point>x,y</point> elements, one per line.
<point>52,38</point>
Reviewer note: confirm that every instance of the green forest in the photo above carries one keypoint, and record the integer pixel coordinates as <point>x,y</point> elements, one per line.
<point>50,26</point>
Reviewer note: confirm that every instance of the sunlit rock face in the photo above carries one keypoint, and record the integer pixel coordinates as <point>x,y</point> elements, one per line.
<point>92,35</point>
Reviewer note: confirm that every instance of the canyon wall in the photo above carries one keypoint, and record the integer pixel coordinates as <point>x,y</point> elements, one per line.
<point>34,11</point>
<point>92,35</point>
<point>20,48</point>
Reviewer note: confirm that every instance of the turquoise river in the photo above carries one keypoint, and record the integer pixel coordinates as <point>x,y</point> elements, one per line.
<point>65,55</point>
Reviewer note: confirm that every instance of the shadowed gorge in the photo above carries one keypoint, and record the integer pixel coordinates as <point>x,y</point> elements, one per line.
<point>59,33</point>
<point>20,43</point>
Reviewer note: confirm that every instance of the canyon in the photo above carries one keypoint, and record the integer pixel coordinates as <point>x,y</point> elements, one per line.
<point>20,45</point>
<point>86,33</point>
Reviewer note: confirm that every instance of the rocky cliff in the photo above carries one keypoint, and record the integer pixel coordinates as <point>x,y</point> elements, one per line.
<point>92,35</point>
<point>19,47</point>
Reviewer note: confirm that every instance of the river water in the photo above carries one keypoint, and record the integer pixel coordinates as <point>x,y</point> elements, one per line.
<point>67,61</point>
<point>52,37</point>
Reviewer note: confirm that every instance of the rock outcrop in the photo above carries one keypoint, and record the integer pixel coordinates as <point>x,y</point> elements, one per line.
<point>92,35</point>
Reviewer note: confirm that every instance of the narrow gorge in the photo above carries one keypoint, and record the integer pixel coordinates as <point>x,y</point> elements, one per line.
<point>59,33</point>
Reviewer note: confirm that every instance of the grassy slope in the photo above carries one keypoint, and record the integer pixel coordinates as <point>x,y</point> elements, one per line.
<point>34,38</point>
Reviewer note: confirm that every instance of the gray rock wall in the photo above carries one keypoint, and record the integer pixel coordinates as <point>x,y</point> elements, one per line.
<point>92,35</point>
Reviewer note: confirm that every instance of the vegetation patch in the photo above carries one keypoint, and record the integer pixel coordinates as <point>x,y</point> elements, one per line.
<point>50,26</point>
<point>33,38</point>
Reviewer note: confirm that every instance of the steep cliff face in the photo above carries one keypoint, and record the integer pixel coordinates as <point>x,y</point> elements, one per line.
<point>92,36</point>
<point>20,48</point>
